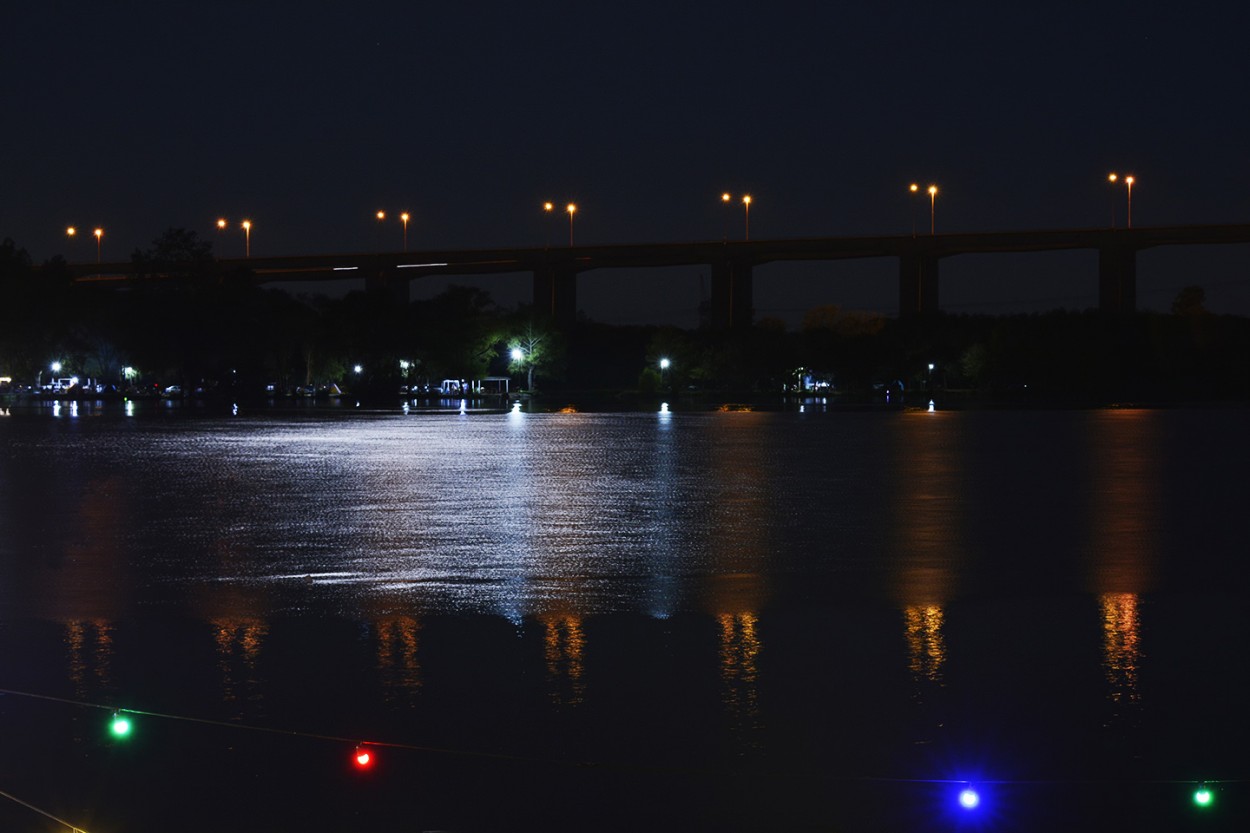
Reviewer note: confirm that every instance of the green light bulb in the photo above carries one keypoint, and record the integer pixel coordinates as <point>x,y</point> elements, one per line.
<point>1203,797</point>
<point>120,726</point>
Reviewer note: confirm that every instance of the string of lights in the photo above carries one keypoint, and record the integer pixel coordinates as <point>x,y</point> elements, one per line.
<point>968,794</point>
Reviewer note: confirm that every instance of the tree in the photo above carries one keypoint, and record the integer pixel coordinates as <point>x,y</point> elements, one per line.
<point>176,252</point>
<point>535,347</point>
<point>1190,302</point>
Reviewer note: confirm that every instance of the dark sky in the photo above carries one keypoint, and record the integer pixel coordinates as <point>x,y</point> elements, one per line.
<point>309,117</point>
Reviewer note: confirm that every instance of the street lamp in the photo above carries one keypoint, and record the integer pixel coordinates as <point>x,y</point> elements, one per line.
<point>549,209</point>
<point>247,238</point>
<point>572,209</point>
<point>1113,177</point>
<point>725,198</point>
<point>664,365</point>
<point>1128,180</point>
<point>932,209</point>
<point>404,218</point>
<point>99,236</point>
<point>914,189</point>
<point>746,212</point>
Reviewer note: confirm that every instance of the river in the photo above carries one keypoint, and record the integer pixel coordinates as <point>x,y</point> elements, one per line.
<point>814,619</point>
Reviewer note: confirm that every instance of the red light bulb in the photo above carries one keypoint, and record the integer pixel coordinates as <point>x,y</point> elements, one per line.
<point>363,758</point>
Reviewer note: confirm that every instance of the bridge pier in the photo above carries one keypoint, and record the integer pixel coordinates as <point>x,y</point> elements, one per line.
<point>555,292</point>
<point>732,294</point>
<point>917,284</point>
<point>379,279</point>
<point>1117,278</point>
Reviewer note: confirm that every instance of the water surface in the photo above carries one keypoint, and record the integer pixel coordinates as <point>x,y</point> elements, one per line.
<point>731,620</point>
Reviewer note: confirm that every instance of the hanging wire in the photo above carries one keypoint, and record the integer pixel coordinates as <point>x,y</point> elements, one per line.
<point>73,828</point>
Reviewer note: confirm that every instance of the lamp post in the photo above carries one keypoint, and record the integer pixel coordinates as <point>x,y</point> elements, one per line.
<point>99,237</point>
<point>664,365</point>
<point>404,219</point>
<point>725,198</point>
<point>71,232</point>
<point>247,238</point>
<point>932,209</point>
<point>572,209</point>
<point>914,189</point>
<point>1113,177</point>
<point>1128,222</point>
<point>746,213</point>
<point>549,209</point>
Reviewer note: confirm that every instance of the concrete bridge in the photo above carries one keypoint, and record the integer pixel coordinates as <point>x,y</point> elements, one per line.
<point>555,270</point>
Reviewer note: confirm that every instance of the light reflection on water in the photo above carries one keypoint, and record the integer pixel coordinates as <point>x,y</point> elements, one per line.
<point>1121,645</point>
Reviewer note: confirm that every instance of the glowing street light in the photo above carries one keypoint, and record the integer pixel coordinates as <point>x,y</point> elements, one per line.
<point>933,189</point>
<point>913,189</point>
<point>404,219</point>
<point>746,212</point>
<point>381,215</point>
<point>71,231</point>
<point>572,209</point>
<point>517,354</point>
<point>1128,180</point>
<point>1113,177</point>
<point>725,199</point>
<point>99,237</point>
<point>247,238</point>
<point>549,209</point>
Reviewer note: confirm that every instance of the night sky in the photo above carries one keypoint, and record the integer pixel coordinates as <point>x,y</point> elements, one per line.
<point>307,118</point>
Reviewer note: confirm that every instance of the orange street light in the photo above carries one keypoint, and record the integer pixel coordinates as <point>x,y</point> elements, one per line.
<point>404,218</point>
<point>572,209</point>
<point>71,231</point>
<point>99,236</point>
<point>746,213</point>
<point>221,224</point>
<point>1129,180</point>
<point>548,209</point>
<point>381,215</point>
<point>1113,177</point>
<point>914,188</point>
<point>725,198</point>
<point>247,238</point>
<point>932,209</point>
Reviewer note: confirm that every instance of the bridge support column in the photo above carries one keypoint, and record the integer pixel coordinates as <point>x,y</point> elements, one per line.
<point>917,284</point>
<point>732,295</point>
<point>389,281</point>
<point>555,292</point>
<point>1117,278</point>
